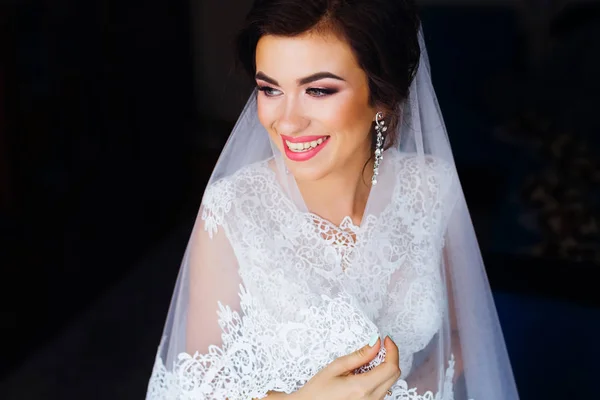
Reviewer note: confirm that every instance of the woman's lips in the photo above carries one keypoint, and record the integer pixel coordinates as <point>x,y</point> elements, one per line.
<point>303,148</point>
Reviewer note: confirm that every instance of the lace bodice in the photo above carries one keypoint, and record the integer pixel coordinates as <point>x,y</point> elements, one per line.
<point>313,291</point>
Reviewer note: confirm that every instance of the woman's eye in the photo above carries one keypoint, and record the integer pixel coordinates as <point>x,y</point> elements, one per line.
<point>319,92</point>
<point>269,91</point>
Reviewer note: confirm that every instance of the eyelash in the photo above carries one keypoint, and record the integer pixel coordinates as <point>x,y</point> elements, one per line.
<point>314,92</point>
<point>321,92</point>
<point>266,90</point>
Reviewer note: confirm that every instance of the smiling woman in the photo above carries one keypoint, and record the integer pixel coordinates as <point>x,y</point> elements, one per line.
<point>298,262</point>
<point>298,105</point>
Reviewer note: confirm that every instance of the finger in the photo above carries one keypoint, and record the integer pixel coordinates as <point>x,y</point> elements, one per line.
<point>392,355</point>
<point>381,391</point>
<point>389,369</point>
<point>350,362</point>
<point>376,385</point>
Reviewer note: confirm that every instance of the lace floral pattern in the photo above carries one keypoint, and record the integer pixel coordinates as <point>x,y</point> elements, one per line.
<point>401,391</point>
<point>304,300</point>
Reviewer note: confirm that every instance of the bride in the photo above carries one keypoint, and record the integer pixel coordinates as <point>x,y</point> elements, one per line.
<point>333,256</point>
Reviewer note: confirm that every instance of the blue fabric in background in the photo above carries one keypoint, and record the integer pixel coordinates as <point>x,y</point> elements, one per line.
<point>553,346</point>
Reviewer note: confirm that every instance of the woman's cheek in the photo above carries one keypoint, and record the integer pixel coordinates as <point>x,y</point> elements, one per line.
<point>337,113</point>
<point>265,114</point>
<point>349,117</point>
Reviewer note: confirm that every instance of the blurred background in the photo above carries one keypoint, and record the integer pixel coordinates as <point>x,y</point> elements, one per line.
<point>113,113</point>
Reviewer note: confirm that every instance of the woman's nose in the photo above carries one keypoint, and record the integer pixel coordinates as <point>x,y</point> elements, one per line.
<point>291,119</point>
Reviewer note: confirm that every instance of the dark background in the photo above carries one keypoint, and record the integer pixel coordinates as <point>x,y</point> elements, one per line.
<point>113,113</point>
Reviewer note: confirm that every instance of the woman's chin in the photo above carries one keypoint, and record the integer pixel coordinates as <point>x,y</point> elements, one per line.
<point>310,170</point>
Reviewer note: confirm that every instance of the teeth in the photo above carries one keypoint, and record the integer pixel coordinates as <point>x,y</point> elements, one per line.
<point>304,146</point>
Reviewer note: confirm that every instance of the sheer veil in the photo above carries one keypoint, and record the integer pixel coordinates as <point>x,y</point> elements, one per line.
<point>232,332</point>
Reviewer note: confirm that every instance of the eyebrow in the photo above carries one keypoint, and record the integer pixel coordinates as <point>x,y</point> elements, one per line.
<point>302,81</point>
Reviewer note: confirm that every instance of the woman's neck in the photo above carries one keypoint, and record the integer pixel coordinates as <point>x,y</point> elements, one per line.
<point>343,193</point>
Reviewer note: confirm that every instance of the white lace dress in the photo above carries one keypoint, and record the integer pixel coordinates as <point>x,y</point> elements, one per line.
<point>312,291</point>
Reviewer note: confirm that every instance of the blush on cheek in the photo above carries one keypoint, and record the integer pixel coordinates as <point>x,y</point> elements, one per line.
<point>351,116</point>
<point>266,121</point>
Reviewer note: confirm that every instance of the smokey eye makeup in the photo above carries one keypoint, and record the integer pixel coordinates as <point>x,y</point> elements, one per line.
<point>321,92</point>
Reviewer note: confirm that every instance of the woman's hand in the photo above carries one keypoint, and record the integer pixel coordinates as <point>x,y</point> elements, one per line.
<point>337,381</point>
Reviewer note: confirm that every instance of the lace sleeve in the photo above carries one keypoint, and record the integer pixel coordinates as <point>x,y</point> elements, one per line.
<point>215,346</point>
<point>192,362</point>
<point>216,204</point>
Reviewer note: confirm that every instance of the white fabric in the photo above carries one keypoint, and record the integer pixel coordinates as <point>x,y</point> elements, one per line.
<point>269,292</point>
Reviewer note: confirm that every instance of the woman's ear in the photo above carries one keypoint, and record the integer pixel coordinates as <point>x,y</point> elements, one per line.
<point>382,108</point>
<point>378,109</point>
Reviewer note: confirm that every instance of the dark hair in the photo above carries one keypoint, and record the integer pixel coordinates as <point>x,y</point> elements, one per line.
<point>382,33</point>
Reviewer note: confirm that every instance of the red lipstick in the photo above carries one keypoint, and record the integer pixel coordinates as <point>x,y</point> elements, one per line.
<point>305,154</point>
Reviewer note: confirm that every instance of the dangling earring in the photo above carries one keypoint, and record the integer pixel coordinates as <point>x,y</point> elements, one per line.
<point>379,128</point>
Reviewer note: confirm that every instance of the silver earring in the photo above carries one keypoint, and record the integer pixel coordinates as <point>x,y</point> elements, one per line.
<point>380,128</point>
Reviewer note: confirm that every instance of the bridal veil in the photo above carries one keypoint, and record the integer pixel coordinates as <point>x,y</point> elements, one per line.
<point>268,293</point>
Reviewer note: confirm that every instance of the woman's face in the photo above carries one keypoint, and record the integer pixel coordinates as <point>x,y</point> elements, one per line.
<point>313,100</point>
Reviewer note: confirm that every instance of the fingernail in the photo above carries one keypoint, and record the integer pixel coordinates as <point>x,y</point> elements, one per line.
<point>373,340</point>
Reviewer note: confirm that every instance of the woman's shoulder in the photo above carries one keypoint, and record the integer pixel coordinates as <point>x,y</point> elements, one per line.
<point>433,174</point>
<point>426,184</point>
<point>240,180</point>
<point>413,163</point>
<point>222,192</point>
<point>414,166</point>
